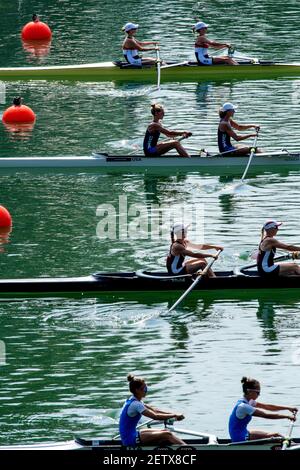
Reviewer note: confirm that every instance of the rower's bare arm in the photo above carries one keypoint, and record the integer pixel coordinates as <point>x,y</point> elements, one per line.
<point>198,246</point>
<point>269,407</point>
<point>156,410</point>
<point>173,134</point>
<point>148,43</point>
<point>284,246</point>
<point>243,127</point>
<point>263,414</point>
<point>193,254</point>
<point>134,44</point>
<point>217,45</point>
<point>161,416</point>
<point>238,138</point>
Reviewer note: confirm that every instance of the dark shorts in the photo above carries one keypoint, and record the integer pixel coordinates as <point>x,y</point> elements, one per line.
<point>228,148</point>
<point>151,152</point>
<point>181,272</point>
<point>274,273</point>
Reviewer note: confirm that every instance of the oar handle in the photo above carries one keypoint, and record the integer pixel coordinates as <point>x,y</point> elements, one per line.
<point>288,437</point>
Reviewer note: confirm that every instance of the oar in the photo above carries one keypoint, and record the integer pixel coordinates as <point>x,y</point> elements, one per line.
<point>177,64</point>
<point>200,276</point>
<point>251,156</point>
<point>288,438</point>
<point>279,258</point>
<point>158,65</point>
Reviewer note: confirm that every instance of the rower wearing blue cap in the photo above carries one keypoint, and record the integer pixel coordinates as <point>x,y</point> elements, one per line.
<point>131,47</point>
<point>202,45</point>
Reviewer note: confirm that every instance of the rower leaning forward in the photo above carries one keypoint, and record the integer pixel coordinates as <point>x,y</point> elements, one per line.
<point>131,47</point>
<point>134,408</point>
<point>227,131</point>
<point>181,248</point>
<point>153,148</point>
<point>249,406</point>
<point>266,266</point>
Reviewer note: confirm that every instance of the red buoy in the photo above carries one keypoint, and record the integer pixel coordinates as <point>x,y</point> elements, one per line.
<point>36,30</point>
<point>18,112</point>
<point>5,218</point>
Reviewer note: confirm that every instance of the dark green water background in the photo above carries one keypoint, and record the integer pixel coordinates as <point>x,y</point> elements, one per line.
<point>67,359</point>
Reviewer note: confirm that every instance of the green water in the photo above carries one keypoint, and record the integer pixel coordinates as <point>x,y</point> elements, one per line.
<point>67,359</point>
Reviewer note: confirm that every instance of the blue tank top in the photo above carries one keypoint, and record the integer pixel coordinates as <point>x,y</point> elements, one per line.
<point>238,427</point>
<point>224,141</point>
<point>150,141</point>
<point>128,424</point>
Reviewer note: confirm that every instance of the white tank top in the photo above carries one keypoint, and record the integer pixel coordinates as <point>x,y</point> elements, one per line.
<point>131,54</point>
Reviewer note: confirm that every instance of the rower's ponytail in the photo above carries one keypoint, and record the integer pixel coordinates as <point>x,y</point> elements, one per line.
<point>262,234</point>
<point>172,237</point>
<point>222,113</point>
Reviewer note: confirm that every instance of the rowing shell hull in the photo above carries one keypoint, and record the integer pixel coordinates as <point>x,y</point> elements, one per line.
<point>105,163</point>
<point>107,71</point>
<point>105,283</point>
<point>107,446</point>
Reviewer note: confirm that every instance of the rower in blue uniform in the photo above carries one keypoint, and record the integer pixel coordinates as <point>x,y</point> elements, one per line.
<point>131,47</point>
<point>226,132</point>
<point>267,250</point>
<point>181,248</point>
<point>151,146</point>
<point>132,412</point>
<point>247,407</point>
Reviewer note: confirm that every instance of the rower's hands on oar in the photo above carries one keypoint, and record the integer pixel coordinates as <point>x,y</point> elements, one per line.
<point>295,255</point>
<point>292,418</point>
<point>187,134</point>
<point>179,417</point>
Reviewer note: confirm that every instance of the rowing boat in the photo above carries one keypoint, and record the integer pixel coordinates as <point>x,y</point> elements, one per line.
<point>141,281</point>
<point>210,443</point>
<point>115,71</point>
<point>111,163</point>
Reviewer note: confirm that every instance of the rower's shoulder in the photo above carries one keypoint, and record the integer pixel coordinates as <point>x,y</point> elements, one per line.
<point>129,42</point>
<point>154,126</point>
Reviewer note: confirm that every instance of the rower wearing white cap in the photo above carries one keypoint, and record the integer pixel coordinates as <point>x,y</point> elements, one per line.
<point>181,247</point>
<point>267,251</point>
<point>131,46</point>
<point>202,44</point>
<point>226,131</point>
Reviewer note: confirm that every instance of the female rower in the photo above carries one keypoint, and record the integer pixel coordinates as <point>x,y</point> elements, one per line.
<point>247,407</point>
<point>202,44</point>
<point>132,412</point>
<point>131,46</point>
<point>151,146</point>
<point>225,132</point>
<point>181,247</point>
<point>267,251</point>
